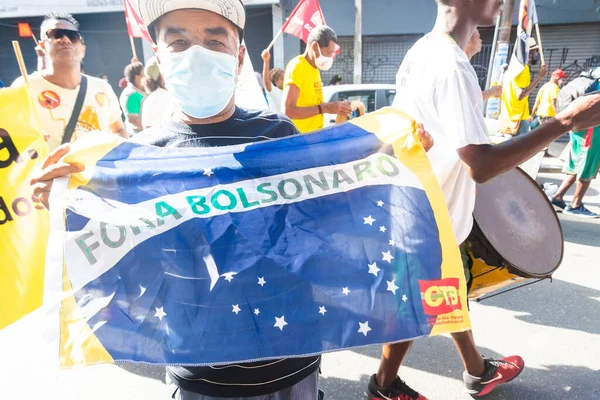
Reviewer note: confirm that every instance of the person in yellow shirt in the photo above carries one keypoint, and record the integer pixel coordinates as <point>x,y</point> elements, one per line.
<point>303,88</point>
<point>545,102</point>
<point>514,113</point>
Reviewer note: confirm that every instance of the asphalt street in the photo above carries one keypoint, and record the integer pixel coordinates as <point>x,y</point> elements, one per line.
<point>554,326</point>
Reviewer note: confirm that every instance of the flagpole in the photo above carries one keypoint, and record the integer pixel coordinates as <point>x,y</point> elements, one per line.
<point>20,60</point>
<point>133,47</point>
<point>275,39</point>
<point>493,55</point>
<point>539,38</point>
<point>284,26</point>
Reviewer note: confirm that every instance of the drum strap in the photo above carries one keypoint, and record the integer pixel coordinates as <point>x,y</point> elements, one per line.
<point>480,299</point>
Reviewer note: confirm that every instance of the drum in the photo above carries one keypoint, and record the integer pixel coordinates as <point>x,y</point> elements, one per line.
<point>516,235</point>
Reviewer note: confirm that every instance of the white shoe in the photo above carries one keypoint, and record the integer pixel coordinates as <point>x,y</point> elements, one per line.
<point>550,189</point>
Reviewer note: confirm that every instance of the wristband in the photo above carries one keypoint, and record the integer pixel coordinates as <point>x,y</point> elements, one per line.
<point>320,109</point>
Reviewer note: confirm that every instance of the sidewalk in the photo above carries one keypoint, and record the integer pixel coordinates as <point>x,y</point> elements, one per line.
<point>551,165</point>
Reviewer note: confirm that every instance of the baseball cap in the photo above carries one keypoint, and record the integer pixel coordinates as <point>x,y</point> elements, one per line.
<point>233,10</point>
<point>559,73</point>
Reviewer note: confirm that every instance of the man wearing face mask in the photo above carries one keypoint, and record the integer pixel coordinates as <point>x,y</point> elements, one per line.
<point>514,112</point>
<point>303,88</point>
<point>200,55</point>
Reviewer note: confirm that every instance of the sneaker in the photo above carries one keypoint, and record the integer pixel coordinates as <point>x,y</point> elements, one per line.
<point>581,212</point>
<point>496,373</point>
<point>398,390</point>
<point>558,203</point>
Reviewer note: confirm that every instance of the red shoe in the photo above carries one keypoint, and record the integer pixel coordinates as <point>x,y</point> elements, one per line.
<point>496,373</point>
<point>398,390</point>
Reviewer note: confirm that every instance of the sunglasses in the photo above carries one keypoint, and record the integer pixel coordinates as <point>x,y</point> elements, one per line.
<point>57,34</point>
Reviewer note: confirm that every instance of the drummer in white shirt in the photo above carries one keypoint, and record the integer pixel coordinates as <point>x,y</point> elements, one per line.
<point>273,79</point>
<point>437,86</point>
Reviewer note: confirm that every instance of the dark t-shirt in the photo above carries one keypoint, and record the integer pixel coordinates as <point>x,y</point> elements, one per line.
<point>241,380</point>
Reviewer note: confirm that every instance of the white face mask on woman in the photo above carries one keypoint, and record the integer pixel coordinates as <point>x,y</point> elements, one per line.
<point>201,81</point>
<point>322,62</point>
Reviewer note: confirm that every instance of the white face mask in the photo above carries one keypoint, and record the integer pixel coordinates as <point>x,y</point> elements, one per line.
<point>322,62</point>
<point>201,81</point>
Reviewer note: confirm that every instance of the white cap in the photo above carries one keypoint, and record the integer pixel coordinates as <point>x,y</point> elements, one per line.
<point>233,10</point>
<point>532,44</point>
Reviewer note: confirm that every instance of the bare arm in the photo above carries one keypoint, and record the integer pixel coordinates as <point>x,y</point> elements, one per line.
<point>523,93</point>
<point>119,129</point>
<point>290,97</point>
<point>535,108</point>
<point>266,56</point>
<point>291,110</point>
<point>495,91</point>
<point>135,120</point>
<point>485,162</point>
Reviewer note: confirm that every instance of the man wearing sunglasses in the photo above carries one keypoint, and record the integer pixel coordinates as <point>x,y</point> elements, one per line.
<point>55,88</point>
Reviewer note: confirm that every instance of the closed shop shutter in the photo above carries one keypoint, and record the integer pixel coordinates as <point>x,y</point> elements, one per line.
<point>382,56</point>
<point>572,47</point>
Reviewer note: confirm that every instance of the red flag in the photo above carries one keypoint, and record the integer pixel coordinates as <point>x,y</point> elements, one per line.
<point>135,26</point>
<point>24,29</point>
<point>306,16</point>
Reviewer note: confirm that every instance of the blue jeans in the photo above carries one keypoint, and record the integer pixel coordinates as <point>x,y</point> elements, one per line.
<point>524,128</point>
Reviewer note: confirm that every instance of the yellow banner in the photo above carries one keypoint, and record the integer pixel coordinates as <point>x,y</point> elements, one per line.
<point>24,224</point>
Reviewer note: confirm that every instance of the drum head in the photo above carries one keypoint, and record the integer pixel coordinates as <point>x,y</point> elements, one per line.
<point>519,222</point>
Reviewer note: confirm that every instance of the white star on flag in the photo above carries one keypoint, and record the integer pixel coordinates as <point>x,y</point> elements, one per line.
<point>261,281</point>
<point>392,243</point>
<point>208,172</point>
<point>322,310</point>
<point>236,309</point>
<point>373,269</point>
<point>345,291</point>
<point>229,276</point>
<point>382,229</point>
<point>364,328</point>
<point>404,298</point>
<point>369,220</point>
<point>160,313</point>
<point>387,256</point>
<point>256,311</point>
<point>380,203</point>
<point>280,322</point>
<point>392,286</point>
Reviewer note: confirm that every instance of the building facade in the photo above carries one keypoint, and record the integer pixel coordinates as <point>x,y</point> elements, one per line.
<point>570,31</point>
<point>105,33</point>
<point>570,34</point>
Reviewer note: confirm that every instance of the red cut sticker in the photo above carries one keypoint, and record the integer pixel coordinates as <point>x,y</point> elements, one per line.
<point>49,99</point>
<point>440,297</point>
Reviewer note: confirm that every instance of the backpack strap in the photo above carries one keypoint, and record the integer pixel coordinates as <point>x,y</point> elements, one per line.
<point>70,128</point>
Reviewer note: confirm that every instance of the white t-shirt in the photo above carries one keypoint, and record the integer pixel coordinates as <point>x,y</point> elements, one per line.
<point>275,97</point>
<point>157,108</point>
<point>438,87</point>
<point>55,104</point>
